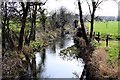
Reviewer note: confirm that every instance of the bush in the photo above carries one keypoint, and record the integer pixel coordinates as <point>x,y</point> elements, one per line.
<point>36,45</point>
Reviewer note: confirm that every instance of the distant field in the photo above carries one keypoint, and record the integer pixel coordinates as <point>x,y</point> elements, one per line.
<point>104,28</point>
<point>111,28</point>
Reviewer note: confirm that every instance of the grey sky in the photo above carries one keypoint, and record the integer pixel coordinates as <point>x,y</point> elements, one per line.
<point>108,8</point>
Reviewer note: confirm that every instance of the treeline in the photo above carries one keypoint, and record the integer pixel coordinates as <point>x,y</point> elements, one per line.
<point>99,18</point>
<point>20,19</point>
<point>22,24</point>
<point>19,13</point>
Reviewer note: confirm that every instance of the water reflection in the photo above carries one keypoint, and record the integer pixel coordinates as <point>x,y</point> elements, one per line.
<point>43,57</point>
<point>30,72</point>
<point>52,48</point>
<point>51,65</point>
<point>62,43</point>
<point>40,62</point>
<point>33,69</point>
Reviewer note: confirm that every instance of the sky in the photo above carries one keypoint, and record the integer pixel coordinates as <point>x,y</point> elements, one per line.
<point>108,8</point>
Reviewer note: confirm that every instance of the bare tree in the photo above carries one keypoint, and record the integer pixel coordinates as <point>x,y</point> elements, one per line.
<point>4,5</point>
<point>25,7</point>
<point>82,23</point>
<point>6,36</point>
<point>93,5</point>
<point>43,18</point>
<point>33,12</point>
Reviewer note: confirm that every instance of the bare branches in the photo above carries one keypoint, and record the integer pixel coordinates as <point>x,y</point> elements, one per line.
<point>92,9</point>
<point>89,6</point>
<point>44,2</point>
<point>17,11</point>
<point>82,23</point>
<point>23,6</point>
<point>93,5</point>
<point>98,3</point>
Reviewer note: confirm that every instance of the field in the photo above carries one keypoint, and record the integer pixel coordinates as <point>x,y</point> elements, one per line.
<point>112,29</point>
<point>105,28</point>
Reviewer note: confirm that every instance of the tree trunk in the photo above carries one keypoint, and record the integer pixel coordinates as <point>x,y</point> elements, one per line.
<point>28,38</point>
<point>3,26</point>
<point>92,23</point>
<point>34,22</point>
<point>33,68</point>
<point>82,24</point>
<point>21,34</point>
<point>33,25</point>
<point>8,36</point>
<point>25,11</point>
<point>43,19</point>
<point>92,19</point>
<point>43,25</point>
<point>5,31</point>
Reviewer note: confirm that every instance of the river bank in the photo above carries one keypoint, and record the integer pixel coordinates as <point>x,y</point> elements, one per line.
<point>96,65</point>
<point>14,62</point>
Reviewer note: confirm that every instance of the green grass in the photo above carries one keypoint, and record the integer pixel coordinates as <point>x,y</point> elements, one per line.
<point>112,49</point>
<point>111,28</point>
<point>104,28</point>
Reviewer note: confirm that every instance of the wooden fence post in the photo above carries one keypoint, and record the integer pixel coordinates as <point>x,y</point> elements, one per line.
<point>93,35</point>
<point>98,37</point>
<point>107,38</point>
<point>75,23</point>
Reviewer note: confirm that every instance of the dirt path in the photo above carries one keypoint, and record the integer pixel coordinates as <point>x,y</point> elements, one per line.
<point>97,66</point>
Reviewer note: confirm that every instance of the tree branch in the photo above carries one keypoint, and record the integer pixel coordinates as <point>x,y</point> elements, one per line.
<point>23,6</point>
<point>17,11</point>
<point>89,7</point>
<point>45,2</point>
<point>98,3</point>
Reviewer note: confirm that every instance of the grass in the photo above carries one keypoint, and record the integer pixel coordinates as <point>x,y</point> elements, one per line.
<point>104,28</point>
<point>112,50</point>
<point>111,28</point>
<point>107,27</point>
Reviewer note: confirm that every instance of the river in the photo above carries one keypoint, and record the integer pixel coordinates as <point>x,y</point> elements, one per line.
<point>50,64</point>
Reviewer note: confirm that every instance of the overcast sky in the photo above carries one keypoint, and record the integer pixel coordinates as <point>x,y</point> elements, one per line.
<point>109,8</point>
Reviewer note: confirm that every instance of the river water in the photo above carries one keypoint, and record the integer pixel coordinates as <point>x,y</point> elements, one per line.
<point>50,64</point>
